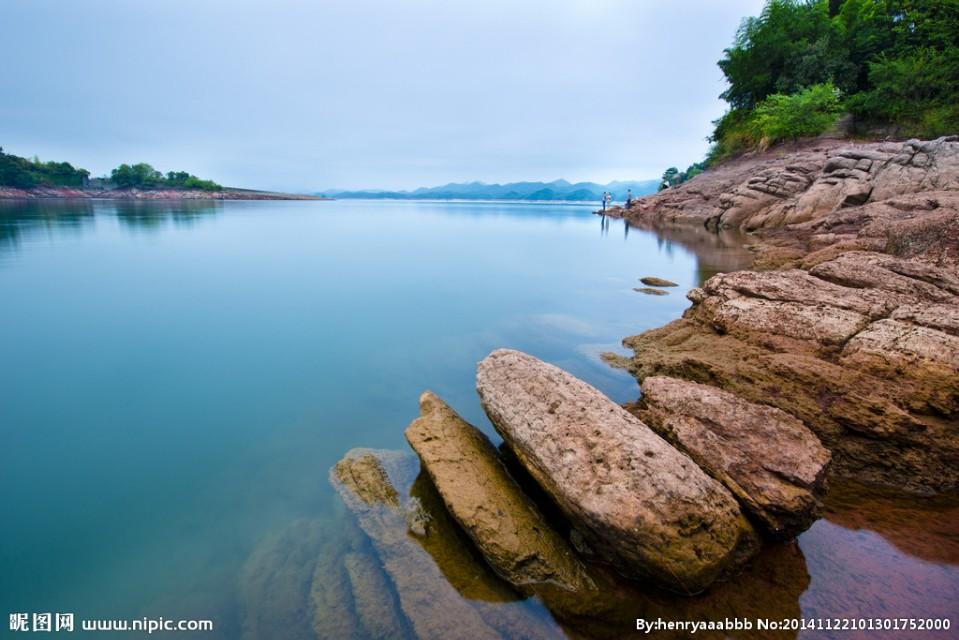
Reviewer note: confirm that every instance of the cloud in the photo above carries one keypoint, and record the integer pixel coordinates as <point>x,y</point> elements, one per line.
<point>350,94</point>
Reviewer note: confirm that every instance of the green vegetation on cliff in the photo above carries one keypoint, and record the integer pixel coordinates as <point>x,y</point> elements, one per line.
<point>892,64</point>
<point>795,69</point>
<point>24,173</point>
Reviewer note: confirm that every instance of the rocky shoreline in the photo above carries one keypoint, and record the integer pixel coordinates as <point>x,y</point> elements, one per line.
<point>67,193</point>
<point>849,321</point>
<point>835,357</point>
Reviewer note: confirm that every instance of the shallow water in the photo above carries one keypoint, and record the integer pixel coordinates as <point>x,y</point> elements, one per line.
<point>176,380</point>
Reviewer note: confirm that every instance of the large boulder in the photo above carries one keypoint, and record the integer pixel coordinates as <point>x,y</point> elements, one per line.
<point>769,460</point>
<point>488,504</point>
<point>634,499</point>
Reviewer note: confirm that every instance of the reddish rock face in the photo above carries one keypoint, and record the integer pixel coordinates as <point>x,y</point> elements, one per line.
<point>635,499</point>
<point>801,183</point>
<point>767,458</point>
<point>857,334</point>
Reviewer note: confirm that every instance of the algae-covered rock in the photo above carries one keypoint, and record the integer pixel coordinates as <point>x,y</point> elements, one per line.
<point>480,494</point>
<point>769,460</point>
<point>637,501</point>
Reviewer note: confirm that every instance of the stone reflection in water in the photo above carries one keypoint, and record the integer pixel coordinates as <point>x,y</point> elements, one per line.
<point>925,528</point>
<point>883,553</point>
<point>716,251</point>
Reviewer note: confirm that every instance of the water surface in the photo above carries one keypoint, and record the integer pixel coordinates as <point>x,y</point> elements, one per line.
<point>176,380</point>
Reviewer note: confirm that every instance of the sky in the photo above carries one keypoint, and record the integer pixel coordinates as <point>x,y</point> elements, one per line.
<point>312,95</point>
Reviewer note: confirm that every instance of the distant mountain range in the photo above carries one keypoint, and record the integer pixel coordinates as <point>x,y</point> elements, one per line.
<point>556,190</point>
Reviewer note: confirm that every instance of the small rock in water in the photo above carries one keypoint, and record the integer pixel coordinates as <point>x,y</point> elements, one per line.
<point>651,292</point>
<point>653,281</point>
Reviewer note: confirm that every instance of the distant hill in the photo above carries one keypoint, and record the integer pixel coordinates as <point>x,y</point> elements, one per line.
<point>556,190</point>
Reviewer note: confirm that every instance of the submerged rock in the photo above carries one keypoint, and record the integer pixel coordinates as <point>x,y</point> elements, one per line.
<point>769,460</point>
<point>331,593</point>
<point>275,583</point>
<point>374,486</point>
<point>485,500</point>
<point>433,607</point>
<point>652,281</point>
<point>635,499</point>
<point>373,599</point>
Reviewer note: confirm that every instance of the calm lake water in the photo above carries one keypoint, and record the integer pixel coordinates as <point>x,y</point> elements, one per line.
<point>176,380</point>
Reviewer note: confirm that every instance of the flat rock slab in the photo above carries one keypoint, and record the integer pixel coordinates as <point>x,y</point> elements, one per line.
<point>635,499</point>
<point>488,504</point>
<point>770,461</point>
<point>911,280</point>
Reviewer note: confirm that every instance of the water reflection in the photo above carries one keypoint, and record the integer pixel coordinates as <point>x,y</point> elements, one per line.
<point>154,214</point>
<point>715,251</point>
<point>23,219</point>
<point>333,333</point>
<point>20,218</point>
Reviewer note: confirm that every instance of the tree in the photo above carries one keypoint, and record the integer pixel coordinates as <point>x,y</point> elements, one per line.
<point>895,61</point>
<point>140,175</point>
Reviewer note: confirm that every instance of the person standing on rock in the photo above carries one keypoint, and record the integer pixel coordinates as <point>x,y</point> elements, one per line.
<point>605,199</point>
<point>629,198</point>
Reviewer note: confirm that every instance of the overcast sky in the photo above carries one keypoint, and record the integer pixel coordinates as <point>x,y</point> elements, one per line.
<point>306,96</point>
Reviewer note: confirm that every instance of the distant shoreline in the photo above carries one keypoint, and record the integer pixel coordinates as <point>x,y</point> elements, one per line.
<point>67,193</point>
<point>474,201</point>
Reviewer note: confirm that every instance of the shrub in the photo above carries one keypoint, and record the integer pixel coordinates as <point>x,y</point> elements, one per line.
<point>809,112</point>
